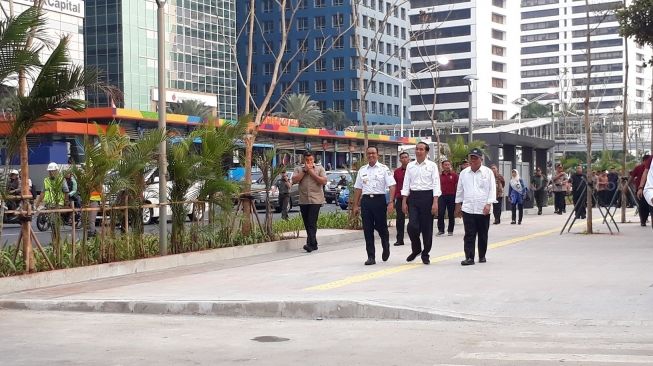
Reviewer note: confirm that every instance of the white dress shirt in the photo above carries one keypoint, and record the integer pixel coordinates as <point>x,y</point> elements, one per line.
<point>422,176</point>
<point>476,189</point>
<point>648,188</point>
<point>374,179</point>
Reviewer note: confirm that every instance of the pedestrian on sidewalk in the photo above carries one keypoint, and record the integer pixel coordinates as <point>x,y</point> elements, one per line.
<point>559,182</point>
<point>579,192</point>
<point>283,186</point>
<point>517,193</point>
<point>311,179</point>
<point>371,183</point>
<point>637,177</point>
<point>447,201</point>
<point>420,193</point>
<point>399,175</point>
<point>538,185</point>
<point>500,185</point>
<point>464,164</point>
<point>475,195</point>
<point>647,192</point>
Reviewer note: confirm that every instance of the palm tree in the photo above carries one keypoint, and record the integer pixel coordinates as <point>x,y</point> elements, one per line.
<point>303,109</point>
<point>460,150</point>
<point>191,107</point>
<point>56,85</point>
<point>335,120</point>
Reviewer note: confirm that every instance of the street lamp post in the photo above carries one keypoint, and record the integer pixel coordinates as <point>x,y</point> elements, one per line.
<point>469,79</point>
<point>163,164</point>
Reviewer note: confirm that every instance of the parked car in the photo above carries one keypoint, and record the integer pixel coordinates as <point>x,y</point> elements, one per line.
<point>332,187</point>
<point>259,194</point>
<point>343,198</point>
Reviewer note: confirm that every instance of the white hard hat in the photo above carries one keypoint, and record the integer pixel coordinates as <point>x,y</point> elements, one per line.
<point>53,166</point>
<point>13,171</point>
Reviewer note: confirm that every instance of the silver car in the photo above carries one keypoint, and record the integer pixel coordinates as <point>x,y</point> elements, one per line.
<point>258,190</point>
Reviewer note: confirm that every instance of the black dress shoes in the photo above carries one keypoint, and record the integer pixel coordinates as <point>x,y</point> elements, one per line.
<point>497,222</point>
<point>467,262</point>
<point>399,243</point>
<point>512,222</point>
<point>370,261</point>
<point>386,253</point>
<point>481,260</point>
<point>426,260</point>
<point>412,256</point>
<point>307,248</point>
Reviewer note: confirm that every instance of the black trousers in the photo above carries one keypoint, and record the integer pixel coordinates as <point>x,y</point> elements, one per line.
<point>496,209</point>
<point>475,226</point>
<point>420,221</point>
<point>580,203</point>
<point>283,202</point>
<point>375,217</point>
<point>401,220</point>
<point>514,208</point>
<point>310,214</point>
<point>539,198</point>
<point>559,200</point>
<point>644,210</point>
<point>447,202</point>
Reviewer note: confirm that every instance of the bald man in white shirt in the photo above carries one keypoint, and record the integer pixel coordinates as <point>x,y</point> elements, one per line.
<point>475,194</point>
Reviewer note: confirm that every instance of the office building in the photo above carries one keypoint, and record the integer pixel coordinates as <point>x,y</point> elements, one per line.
<point>455,41</point>
<point>333,79</point>
<point>554,57</point>
<point>121,40</point>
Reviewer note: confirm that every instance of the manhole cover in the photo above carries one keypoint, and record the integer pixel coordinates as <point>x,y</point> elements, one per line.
<point>269,339</point>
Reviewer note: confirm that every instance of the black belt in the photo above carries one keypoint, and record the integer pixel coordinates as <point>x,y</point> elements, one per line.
<point>374,195</point>
<point>426,190</point>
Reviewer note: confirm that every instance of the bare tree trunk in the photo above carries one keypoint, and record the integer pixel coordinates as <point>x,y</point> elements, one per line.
<point>588,127</point>
<point>361,76</point>
<point>624,197</point>
<point>250,135</point>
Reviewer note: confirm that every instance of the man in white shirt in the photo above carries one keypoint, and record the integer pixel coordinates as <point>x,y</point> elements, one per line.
<point>420,192</point>
<point>369,199</point>
<point>475,195</point>
<point>648,187</point>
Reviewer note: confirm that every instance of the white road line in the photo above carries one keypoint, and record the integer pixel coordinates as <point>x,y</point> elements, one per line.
<point>556,357</point>
<point>561,345</point>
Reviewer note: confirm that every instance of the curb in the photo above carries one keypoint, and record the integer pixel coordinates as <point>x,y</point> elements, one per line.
<point>314,310</point>
<point>100,271</point>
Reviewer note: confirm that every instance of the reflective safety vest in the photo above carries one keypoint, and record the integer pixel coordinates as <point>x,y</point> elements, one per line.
<point>53,191</point>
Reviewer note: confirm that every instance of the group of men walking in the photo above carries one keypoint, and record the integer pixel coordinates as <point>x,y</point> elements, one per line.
<point>421,193</point>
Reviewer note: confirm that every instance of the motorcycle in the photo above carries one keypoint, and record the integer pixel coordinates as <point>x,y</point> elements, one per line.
<point>44,220</point>
<point>9,218</point>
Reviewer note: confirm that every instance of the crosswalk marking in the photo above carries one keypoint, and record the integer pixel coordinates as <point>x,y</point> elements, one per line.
<point>556,357</point>
<point>561,345</point>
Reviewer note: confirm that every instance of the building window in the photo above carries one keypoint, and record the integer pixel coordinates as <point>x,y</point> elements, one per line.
<point>355,105</point>
<point>338,43</point>
<point>396,91</point>
<point>499,3</point>
<point>498,83</point>
<point>373,108</point>
<point>267,49</point>
<point>302,46</point>
<point>639,93</point>
<point>319,43</point>
<point>639,81</point>
<point>338,63</point>
<point>268,27</point>
<point>337,2</point>
<point>498,66</point>
<point>302,24</point>
<point>303,87</point>
<point>268,68</point>
<point>338,20</point>
<point>498,18</point>
<point>339,105</point>
<point>354,84</point>
<point>388,109</point>
<point>381,108</point>
<point>320,86</point>
<point>338,85</point>
<point>403,13</point>
<point>396,114</point>
<point>498,50</point>
<point>320,65</point>
<point>373,86</point>
<point>497,34</point>
<point>353,63</point>
<point>268,6</point>
<point>320,3</point>
<point>639,105</point>
<point>498,115</point>
<point>320,22</point>
<point>498,99</point>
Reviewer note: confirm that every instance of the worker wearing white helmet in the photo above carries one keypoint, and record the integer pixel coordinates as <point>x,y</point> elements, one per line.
<point>55,190</point>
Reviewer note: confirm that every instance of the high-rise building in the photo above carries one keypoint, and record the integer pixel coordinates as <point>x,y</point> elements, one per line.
<point>456,42</point>
<point>333,79</point>
<point>62,18</point>
<point>554,57</point>
<point>121,40</point>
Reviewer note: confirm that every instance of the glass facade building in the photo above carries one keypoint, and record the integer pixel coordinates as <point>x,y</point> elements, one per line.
<point>121,40</point>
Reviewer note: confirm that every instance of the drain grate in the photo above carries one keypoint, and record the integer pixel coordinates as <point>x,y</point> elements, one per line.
<point>270,339</point>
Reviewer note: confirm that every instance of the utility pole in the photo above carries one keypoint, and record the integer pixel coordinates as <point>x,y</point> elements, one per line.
<point>163,164</point>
